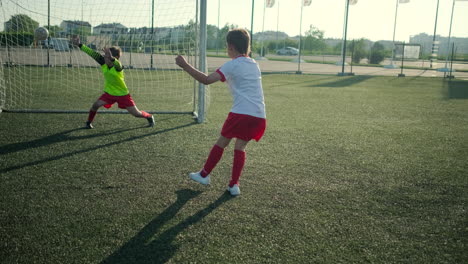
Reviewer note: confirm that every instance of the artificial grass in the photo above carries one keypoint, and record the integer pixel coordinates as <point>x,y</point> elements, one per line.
<point>354,169</point>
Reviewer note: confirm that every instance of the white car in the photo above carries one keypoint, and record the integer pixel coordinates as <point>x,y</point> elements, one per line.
<point>288,51</point>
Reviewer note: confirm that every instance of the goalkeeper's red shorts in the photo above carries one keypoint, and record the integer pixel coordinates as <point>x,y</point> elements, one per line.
<point>123,101</point>
<point>245,127</point>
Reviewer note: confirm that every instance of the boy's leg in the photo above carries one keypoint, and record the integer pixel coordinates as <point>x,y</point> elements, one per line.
<point>133,110</point>
<point>93,112</point>
<point>215,155</point>
<point>239,161</point>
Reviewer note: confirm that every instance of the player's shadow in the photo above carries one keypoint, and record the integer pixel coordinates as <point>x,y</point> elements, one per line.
<point>345,81</point>
<point>55,138</point>
<point>457,89</point>
<point>62,136</point>
<point>151,246</point>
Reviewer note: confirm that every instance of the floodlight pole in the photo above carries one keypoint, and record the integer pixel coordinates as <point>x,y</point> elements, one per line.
<point>352,56</point>
<point>451,62</point>
<point>251,28</point>
<point>152,34</point>
<point>402,61</point>
<point>449,36</point>
<point>344,38</point>
<point>262,52</point>
<point>434,37</point>
<point>394,30</point>
<point>300,40</point>
<point>277,25</point>
<point>48,37</point>
<point>131,42</point>
<point>217,30</point>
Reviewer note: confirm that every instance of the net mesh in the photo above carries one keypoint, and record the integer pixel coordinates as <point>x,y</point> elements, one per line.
<point>54,75</point>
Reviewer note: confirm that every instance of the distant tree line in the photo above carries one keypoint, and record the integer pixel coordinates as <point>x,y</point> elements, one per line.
<point>19,31</point>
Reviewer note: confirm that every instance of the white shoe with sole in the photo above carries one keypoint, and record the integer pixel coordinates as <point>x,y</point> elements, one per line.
<point>196,176</point>
<point>234,190</point>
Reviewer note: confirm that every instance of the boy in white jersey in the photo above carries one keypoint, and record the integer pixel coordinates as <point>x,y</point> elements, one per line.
<point>247,119</point>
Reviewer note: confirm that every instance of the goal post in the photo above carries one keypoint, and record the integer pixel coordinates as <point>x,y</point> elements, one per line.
<point>53,76</point>
<point>203,37</point>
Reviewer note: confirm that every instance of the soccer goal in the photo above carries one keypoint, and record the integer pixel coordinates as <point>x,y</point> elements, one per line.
<point>53,76</point>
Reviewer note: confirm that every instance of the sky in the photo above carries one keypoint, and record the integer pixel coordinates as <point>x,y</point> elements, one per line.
<point>371,19</point>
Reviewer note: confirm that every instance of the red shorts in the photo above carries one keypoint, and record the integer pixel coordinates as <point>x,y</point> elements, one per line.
<point>245,127</point>
<point>123,101</point>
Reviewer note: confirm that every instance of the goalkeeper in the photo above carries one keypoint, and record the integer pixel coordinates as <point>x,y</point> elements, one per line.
<point>115,89</point>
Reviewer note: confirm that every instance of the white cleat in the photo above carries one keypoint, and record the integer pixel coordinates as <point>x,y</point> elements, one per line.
<point>234,190</point>
<point>196,176</point>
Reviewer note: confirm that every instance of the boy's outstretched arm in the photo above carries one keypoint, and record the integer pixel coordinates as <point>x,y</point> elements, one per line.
<point>196,74</point>
<point>93,54</point>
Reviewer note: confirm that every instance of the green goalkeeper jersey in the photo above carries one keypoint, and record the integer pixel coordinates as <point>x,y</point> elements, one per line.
<point>114,82</point>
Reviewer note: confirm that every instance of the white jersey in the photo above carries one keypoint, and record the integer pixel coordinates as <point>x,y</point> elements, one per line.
<point>243,76</point>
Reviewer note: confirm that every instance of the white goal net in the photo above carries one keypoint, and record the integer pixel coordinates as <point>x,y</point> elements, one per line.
<point>52,75</point>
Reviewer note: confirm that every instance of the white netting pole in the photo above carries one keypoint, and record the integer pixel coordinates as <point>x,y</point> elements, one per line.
<point>201,87</point>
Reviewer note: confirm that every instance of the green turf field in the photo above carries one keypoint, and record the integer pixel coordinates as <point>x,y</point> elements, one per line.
<point>350,170</point>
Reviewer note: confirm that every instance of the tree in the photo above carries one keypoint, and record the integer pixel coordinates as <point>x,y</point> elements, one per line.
<point>190,28</point>
<point>211,36</point>
<point>337,48</point>
<point>377,53</point>
<point>289,42</point>
<point>358,48</point>
<point>314,39</point>
<point>21,23</point>
<point>222,35</point>
<point>278,41</point>
<point>82,31</point>
<point>315,32</point>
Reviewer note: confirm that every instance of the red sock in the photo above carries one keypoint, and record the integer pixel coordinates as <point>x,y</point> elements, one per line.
<point>213,158</point>
<point>237,166</point>
<point>91,115</point>
<point>145,115</point>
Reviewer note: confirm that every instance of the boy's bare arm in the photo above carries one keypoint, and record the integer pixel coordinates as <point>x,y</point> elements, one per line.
<point>196,74</point>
